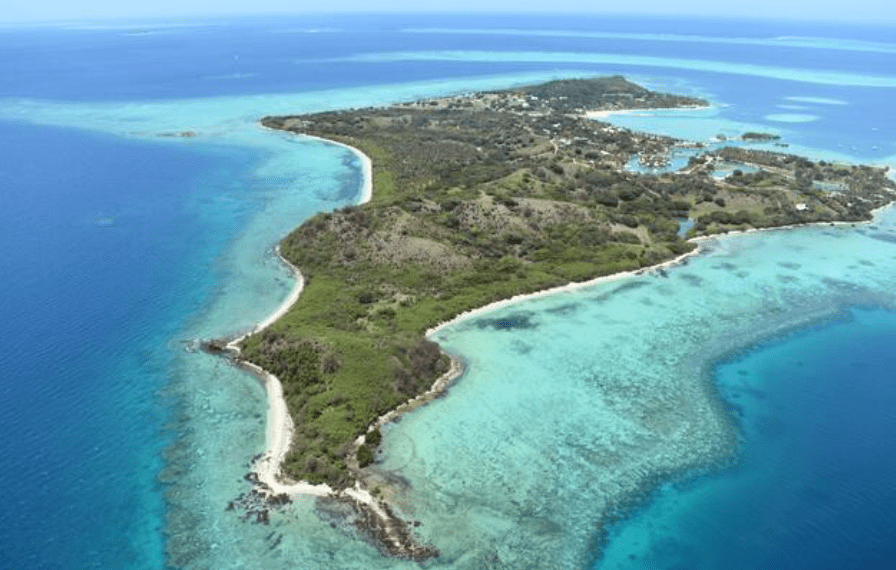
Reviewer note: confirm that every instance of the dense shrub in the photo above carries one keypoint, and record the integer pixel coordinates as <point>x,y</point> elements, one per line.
<point>373,438</point>
<point>627,191</point>
<point>365,456</point>
<point>296,362</point>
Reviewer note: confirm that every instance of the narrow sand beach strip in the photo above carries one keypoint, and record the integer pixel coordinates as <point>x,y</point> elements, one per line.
<point>642,112</point>
<point>278,436</point>
<point>282,309</point>
<point>366,167</point>
<point>474,313</point>
<point>560,289</point>
<point>366,164</point>
<point>279,427</point>
<point>279,430</point>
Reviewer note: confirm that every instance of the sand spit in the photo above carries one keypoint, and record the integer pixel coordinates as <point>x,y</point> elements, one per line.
<point>375,517</point>
<point>279,429</point>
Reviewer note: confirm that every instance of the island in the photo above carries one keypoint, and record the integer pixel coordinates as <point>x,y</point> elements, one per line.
<point>760,137</point>
<point>477,198</point>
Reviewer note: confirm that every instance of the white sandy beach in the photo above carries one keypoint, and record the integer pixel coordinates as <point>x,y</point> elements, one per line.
<point>366,168</point>
<point>616,276</point>
<point>560,289</point>
<point>640,112</point>
<point>279,423</point>
<point>279,431</point>
<point>282,309</point>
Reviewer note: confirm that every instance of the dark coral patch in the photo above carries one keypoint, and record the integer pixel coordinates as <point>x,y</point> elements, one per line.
<point>520,321</point>
<point>565,309</point>
<point>691,279</point>
<point>882,237</point>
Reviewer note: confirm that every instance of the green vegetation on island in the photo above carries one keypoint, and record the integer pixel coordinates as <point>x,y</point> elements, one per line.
<point>759,137</point>
<point>482,197</point>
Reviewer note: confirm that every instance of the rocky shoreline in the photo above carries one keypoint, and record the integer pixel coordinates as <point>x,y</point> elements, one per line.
<point>374,519</point>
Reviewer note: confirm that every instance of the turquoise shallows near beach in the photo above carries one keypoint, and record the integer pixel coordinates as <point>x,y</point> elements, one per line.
<point>731,412</point>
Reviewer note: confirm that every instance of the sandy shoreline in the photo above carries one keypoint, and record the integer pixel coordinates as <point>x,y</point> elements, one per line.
<point>473,313</point>
<point>279,426</point>
<point>282,309</point>
<point>366,167</point>
<point>279,430</point>
<point>636,112</point>
<point>366,164</point>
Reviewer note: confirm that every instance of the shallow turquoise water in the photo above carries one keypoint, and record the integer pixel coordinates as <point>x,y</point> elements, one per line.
<point>561,425</point>
<point>813,484</point>
<point>612,385</point>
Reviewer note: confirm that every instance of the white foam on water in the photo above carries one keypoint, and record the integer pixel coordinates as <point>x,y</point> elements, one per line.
<point>810,76</point>
<point>791,118</point>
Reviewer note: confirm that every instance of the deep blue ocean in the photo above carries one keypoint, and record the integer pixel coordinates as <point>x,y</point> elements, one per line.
<point>113,248</point>
<point>815,482</point>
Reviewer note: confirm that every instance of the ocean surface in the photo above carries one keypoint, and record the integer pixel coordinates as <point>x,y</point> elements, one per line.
<point>737,411</point>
